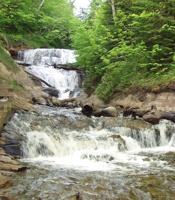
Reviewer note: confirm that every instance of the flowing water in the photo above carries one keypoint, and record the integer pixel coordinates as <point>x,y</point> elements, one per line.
<point>42,62</point>
<point>73,157</point>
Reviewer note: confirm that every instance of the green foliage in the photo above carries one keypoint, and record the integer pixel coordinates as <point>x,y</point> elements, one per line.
<point>28,22</point>
<point>6,59</point>
<point>15,84</point>
<point>134,48</point>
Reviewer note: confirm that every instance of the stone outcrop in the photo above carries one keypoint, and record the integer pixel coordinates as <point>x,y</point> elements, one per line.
<point>149,106</point>
<point>5,182</point>
<point>89,110</point>
<point>7,165</point>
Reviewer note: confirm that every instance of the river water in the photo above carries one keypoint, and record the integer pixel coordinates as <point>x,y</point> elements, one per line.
<point>73,157</point>
<point>42,62</point>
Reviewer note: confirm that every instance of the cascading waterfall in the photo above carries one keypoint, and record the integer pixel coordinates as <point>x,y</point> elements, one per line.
<point>42,63</point>
<point>76,157</point>
<point>91,149</point>
<point>47,56</point>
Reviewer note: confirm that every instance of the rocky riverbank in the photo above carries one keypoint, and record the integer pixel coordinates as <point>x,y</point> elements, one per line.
<point>149,107</point>
<point>23,90</point>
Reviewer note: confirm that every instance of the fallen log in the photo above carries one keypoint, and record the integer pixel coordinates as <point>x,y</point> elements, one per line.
<point>22,63</point>
<point>168,116</point>
<point>39,79</point>
<point>137,112</point>
<point>65,67</point>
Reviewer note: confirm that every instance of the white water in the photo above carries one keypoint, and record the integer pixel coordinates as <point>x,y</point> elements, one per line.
<point>96,150</point>
<point>47,56</point>
<point>66,82</point>
<point>42,62</point>
<point>121,148</point>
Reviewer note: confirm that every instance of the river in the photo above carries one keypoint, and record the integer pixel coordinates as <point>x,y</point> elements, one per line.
<point>73,157</point>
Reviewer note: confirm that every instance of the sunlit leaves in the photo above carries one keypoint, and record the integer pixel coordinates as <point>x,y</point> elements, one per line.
<point>135,45</point>
<point>24,19</point>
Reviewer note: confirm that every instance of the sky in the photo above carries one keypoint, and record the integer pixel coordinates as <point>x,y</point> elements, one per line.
<point>81,4</point>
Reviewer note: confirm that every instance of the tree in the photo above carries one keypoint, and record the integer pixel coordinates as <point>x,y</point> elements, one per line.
<point>42,23</point>
<point>112,2</point>
<point>130,42</point>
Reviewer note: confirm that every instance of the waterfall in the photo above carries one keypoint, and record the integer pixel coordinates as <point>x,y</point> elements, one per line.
<point>45,140</point>
<point>47,56</point>
<point>42,62</point>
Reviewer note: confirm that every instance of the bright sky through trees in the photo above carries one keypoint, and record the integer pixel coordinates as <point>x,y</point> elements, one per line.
<point>81,4</point>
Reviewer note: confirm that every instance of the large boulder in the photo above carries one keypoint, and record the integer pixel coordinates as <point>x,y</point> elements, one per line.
<point>52,91</point>
<point>87,109</point>
<point>56,101</point>
<point>5,182</point>
<point>153,117</point>
<point>106,112</point>
<point>39,100</point>
<point>90,109</point>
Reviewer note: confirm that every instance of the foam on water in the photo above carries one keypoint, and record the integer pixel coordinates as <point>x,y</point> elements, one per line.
<point>96,150</point>
<point>43,63</point>
<point>65,81</point>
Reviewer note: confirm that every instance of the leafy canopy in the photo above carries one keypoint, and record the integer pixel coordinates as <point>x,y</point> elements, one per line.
<point>131,47</point>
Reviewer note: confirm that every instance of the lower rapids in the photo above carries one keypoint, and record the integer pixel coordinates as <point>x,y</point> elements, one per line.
<point>72,157</point>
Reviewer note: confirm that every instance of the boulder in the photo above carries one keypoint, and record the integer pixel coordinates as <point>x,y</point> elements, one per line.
<point>90,109</point>
<point>39,100</point>
<point>52,91</point>
<point>106,112</point>
<point>152,117</point>
<point>9,164</point>
<point>119,141</point>
<point>87,109</point>
<point>5,182</point>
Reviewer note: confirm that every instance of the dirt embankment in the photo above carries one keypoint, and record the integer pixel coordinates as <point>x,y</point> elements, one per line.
<point>23,90</point>
<point>148,106</point>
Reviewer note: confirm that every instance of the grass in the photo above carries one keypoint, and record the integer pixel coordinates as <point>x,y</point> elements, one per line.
<point>6,59</point>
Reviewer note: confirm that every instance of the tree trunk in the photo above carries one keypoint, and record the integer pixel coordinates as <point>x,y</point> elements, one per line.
<point>112,2</point>
<point>41,4</point>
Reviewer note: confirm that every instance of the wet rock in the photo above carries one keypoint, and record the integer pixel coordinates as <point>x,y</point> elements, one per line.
<point>52,91</point>
<point>49,102</point>
<point>9,164</point>
<point>70,103</point>
<point>168,115</point>
<point>106,112</point>
<point>5,183</point>
<point>153,117</point>
<point>9,145</point>
<point>56,101</point>
<point>120,141</point>
<point>76,196</point>
<point>39,100</point>
<point>90,109</point>
<point>87,109</point>
<point>137,124</point>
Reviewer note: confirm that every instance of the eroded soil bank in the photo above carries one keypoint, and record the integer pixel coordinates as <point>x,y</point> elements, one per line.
<point>23,100</point>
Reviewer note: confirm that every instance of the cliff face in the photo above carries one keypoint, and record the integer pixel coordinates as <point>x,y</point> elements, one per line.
<point>163,101</point>
<point>23,87</point>
<point>22,91</point>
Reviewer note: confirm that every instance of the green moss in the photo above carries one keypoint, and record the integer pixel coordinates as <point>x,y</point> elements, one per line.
<point>6,59</point>
<point>15,84</point>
